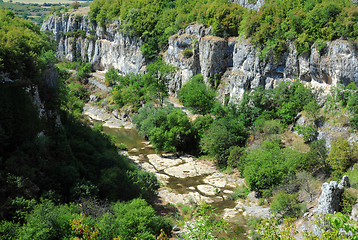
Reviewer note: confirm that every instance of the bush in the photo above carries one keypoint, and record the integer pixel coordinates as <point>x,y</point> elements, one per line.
<point>285,204</point>
<point>111,77</point>
<point>135,219</point>
<point>202,123</point>
<point>308,132</point>
<point>343,155</point>
<point>187,53</point>
<point>348,200</point>
<point>9,230</point>
<point>266,166</point>
<point>48,221</point>
<point>240,192</point>
<point>195,94</point>
<point>167,128</point>
<point>221,136</point>
<point>235,154</point>
<point>353,176</point>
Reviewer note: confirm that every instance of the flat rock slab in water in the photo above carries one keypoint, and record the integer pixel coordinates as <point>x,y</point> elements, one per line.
<point>163,162</point>
<point>162,178</point>
<point>187,198</point>
<point>100,114</point>
<point>147,167</point>
<point>217,181</point>
<point>208,190</point>
<point>190,169</point>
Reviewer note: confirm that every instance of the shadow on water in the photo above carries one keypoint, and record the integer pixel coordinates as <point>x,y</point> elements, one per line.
<point>135,143</point>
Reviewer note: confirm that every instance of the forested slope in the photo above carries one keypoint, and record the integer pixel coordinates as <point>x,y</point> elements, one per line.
<point>271,28</point>
<point>57,173</point>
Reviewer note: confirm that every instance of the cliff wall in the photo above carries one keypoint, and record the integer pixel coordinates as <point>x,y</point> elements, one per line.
<point>194,50</point>
<point>78,39</point>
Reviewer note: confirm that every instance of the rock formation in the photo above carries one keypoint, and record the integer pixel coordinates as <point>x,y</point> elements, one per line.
<point>79,39</point>
<point>329,201</point>
<point>250,4</point>
<point>194,50</point>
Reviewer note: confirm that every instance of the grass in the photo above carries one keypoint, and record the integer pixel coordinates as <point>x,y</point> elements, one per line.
<point>296,142</point>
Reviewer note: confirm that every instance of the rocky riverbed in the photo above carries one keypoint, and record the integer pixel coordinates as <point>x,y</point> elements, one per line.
<point>183,179</point>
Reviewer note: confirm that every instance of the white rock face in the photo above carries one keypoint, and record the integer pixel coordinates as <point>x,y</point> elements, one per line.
<point>103,48</point>
<point>194,50</point>
<point>254,5</point>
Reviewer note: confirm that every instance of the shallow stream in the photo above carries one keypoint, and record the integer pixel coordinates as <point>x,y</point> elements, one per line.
<point>139,149</point>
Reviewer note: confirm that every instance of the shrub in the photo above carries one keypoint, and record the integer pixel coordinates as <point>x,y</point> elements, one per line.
<point>235,154</point>
<point>308,132</point>
<point>285,204</point>
<point>353,176</point>
<point>122,147</point>
<point>168,128</point>
<point>240,192</point>
<point>195,94</point>
<point>348,200</point>
<point>111,77</point>
<point>266,166</point>
<point>98,127</point>
<point>48,221</point>
<point>9,230</point>
<point>221,136</point>
<point>187,53</point>
<point>135,219</point>
<point>202,123</point>
<point>343,154</point>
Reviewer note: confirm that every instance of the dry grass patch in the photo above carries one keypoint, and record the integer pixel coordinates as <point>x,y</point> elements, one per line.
<point>296,142</point>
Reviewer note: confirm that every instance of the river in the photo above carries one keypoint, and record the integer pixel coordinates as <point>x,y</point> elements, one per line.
<point>184,179</point>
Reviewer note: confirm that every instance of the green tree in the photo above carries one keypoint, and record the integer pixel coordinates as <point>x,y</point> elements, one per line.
<point>342,155</point>
<point>266,166</point>
<point>168,128</point>
<point>221,136</point>
<point>196,94</point>
<point>157,79</point>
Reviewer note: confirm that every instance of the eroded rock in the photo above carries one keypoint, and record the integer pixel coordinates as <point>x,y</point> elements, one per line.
<point>329,201</point>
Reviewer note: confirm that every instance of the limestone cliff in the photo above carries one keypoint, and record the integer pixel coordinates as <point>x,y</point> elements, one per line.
<point>236,60</point>
<point>79,39</point>
<point>195,50</point>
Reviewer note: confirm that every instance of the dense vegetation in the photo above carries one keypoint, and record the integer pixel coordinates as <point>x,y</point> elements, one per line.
<point>136,90</point>
<point>271,28</point>
<point>25,51</point>
<point>56,173</point>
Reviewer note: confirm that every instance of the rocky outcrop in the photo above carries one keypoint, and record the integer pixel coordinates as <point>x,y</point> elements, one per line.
<point>329,201</point>
<point>250,4</point>
<point>79,39</point>
<point>236,61</point>
<point>195,50</point>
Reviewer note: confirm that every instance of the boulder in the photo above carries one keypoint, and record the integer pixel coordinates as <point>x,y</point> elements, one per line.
<point>329,201</point>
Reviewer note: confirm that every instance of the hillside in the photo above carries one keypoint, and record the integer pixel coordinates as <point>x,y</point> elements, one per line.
<point>265,111</point>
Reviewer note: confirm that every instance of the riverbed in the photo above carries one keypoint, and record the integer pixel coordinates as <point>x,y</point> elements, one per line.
<point>184,179</point>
